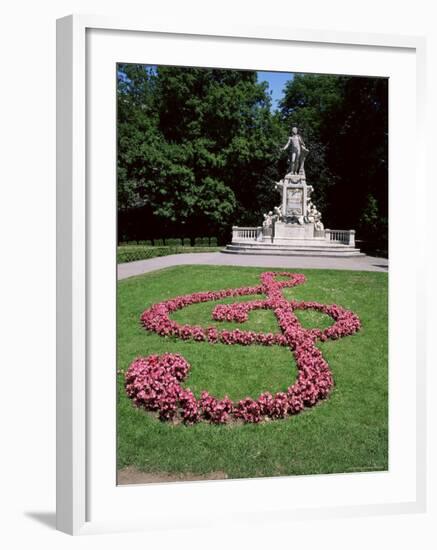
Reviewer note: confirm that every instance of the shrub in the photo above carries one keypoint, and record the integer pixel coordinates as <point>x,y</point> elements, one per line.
<point>173,242</point>
<point>201,241</point>
<point>128,253</point>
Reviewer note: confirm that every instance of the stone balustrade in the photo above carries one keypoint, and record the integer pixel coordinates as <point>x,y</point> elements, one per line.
<point>346,237</point>
<point>247,234</point>
<point>254,234</point>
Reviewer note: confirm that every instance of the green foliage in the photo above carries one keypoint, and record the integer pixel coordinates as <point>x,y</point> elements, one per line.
<point>345,122</point>
<point>346,433</point>
<point>199,149</point>
<point>201,241</point>
<point>373,227</point>
<point>369,218</point>
<point>173,242</point>
<point>133,253</point>
<point>196,148</point>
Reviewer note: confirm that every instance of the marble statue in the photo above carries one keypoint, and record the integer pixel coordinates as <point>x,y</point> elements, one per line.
<point>268,219</point>
<point>294,226</point>
<point>278,212</point>
<point>312,213</point>
<point>314,216</point>
<point>296,208</point>
<point>298,152</point>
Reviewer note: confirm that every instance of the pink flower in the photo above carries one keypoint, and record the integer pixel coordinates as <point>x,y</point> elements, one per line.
<point>154,382</point>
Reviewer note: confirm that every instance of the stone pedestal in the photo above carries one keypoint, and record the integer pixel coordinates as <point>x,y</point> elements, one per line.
<point>267,234</point>
<point>295,195</point>
<point>287,233</point>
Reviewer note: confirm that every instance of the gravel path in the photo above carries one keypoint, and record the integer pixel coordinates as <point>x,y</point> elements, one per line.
<point>359,263</point>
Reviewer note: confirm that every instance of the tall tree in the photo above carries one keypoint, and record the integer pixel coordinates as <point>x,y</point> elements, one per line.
<point>345,121</point>
<point>196,147</point>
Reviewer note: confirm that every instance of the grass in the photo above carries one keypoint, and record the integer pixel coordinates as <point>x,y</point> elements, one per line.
<point>133,253</point>
<point>346,433</point>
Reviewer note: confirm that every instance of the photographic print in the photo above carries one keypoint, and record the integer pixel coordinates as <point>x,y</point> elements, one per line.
<point>252,292</point>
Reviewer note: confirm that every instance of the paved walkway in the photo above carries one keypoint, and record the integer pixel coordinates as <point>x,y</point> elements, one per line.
<point>359,263</point>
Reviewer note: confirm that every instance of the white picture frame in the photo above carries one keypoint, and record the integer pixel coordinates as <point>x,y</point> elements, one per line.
<point>78,228</point>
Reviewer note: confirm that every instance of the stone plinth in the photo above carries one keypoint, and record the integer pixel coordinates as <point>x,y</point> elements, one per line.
<point>286,233</point>
<point>295,196</point>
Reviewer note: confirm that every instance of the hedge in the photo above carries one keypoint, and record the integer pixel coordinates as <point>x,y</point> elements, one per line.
<point>132,253</point>
<point>173,241</point>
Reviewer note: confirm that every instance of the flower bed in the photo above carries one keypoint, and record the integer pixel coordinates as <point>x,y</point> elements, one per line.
<point>155,382</point>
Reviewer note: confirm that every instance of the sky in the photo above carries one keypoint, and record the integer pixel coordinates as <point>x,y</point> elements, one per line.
<point>276,82</point>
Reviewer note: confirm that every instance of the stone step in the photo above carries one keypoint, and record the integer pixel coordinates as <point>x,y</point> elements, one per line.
<point>290,247</point>
<point>294,246</point>
<point>322,254</point>
<point>342,251</point>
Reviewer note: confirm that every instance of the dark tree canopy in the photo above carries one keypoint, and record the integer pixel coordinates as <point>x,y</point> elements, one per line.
<point>345,121</point>
<point>199,150</point>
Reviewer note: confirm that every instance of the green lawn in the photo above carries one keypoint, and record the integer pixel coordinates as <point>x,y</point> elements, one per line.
<point>346,433</point>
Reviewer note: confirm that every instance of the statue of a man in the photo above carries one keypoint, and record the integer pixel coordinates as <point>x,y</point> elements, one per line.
<point>298,152</point>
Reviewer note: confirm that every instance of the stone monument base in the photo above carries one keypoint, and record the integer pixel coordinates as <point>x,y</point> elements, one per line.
<point>293,239</point>
<point>309,249</point>
<point>287,233</point>
<point>294,228</point>
<point>334,251</point>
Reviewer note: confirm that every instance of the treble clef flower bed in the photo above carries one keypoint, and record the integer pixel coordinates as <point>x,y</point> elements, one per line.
<point>155,382</point>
